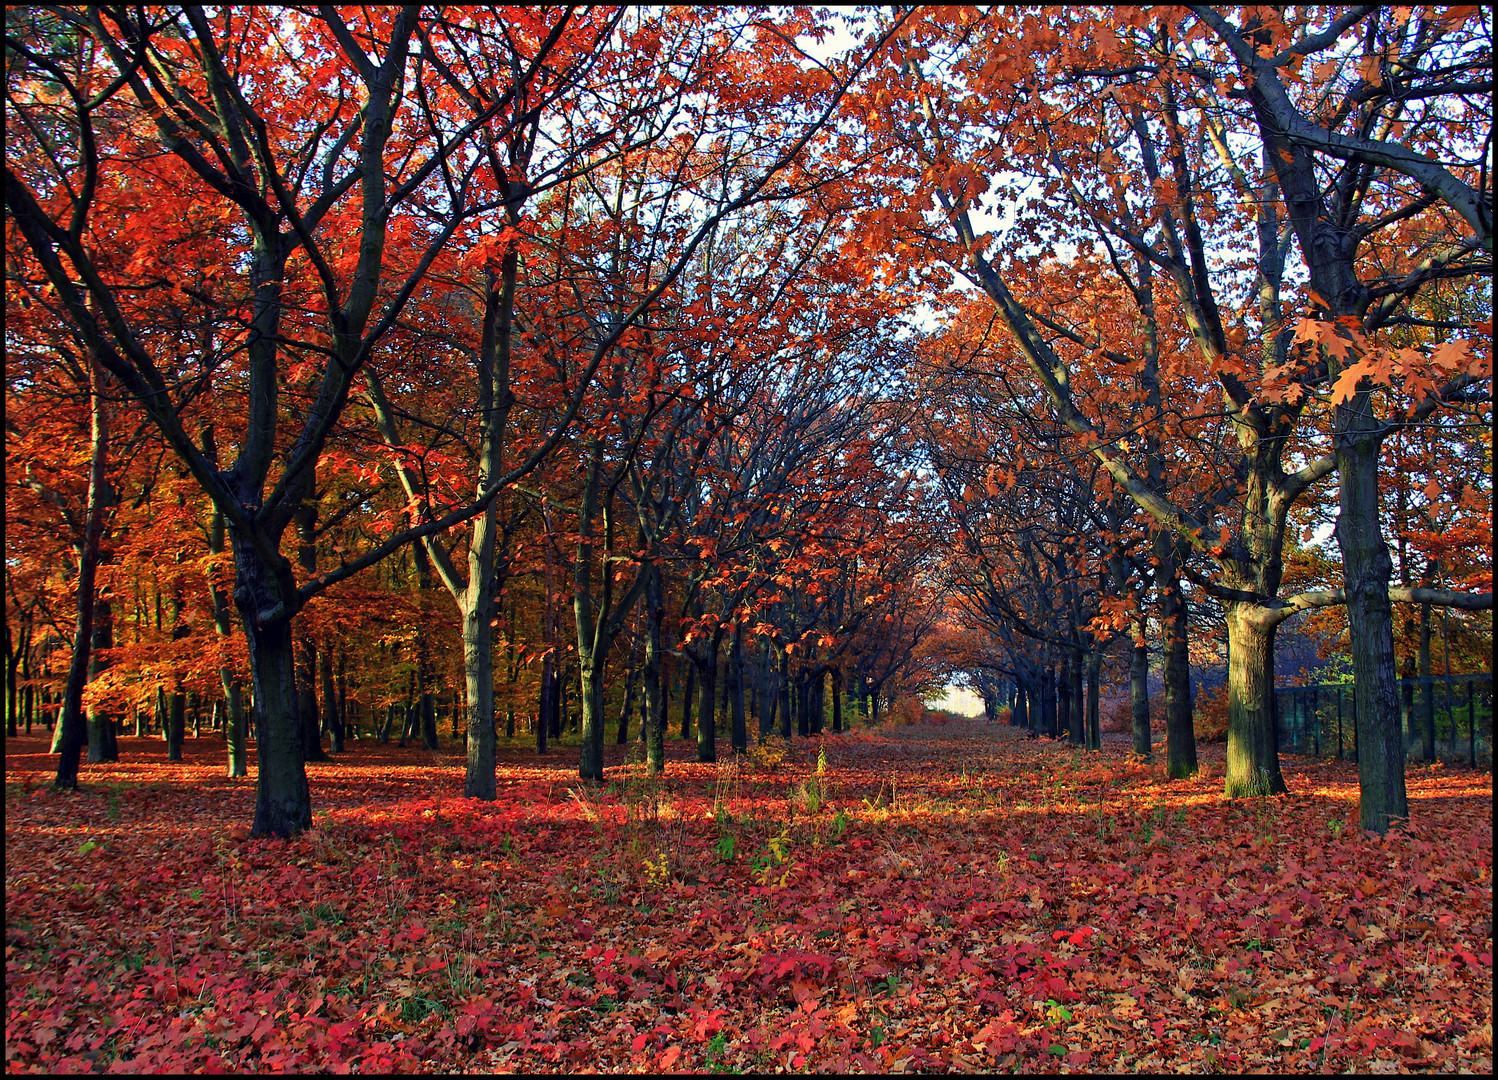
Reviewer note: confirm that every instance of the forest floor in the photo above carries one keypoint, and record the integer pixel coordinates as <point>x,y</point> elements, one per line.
<point>940,897</point>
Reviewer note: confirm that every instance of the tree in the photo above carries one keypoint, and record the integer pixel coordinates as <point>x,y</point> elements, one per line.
<point>315,187</point>
<point>1137,108</point>
<point>1393,95</point>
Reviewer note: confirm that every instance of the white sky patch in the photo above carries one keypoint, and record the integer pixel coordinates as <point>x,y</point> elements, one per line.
<point>960,700</point>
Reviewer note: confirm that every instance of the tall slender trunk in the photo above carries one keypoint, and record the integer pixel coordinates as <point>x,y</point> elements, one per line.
<point>707,721</point>
<point>234,722</point>
<point>689,687</point>
<point>736,690</point>
<point>1180,724</point>
<point>1094,718</point>
<point>622,738</point>
<point>429,714</point>
<point>1366,569</point>
<point>590,615</point>
<point>73,726</point>
<point>101,732</point>
<point>1427,688</point>
<point>1072,705</point>
<point>1139,692</point>
<point>837,700</point>
<point>330,718</point>
<point>655,683</point>
<point>1048,701</point>
<point>767,698</point>
<point>785,696</point>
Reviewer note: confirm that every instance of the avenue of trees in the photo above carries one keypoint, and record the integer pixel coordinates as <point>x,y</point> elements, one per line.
<point>430,373</point>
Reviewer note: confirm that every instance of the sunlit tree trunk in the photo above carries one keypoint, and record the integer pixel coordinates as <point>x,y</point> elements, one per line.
<point>1253,764</point>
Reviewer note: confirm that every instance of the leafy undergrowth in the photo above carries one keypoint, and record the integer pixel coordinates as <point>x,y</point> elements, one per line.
<point>951,897</point>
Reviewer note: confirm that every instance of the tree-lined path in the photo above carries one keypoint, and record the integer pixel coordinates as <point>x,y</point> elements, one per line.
<point>488,489</point>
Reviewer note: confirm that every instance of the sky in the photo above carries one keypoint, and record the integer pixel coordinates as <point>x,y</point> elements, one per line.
<point>959,699</point>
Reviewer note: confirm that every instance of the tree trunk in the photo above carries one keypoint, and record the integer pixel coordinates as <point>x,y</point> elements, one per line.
<point>707,721</point>
<point>736,691</point>
<point>176,719</point>
<point>1069,689</point>
<point>12,689</point>
<point>590,689</point>
<point>1253,763</point>
<point>330,718</point>
<point>72,725</point>
<point>546,693</point>
<point>785,696</point>
<point>1366,569</point>
<point>655,683</point>
<point>234,722</point>
<point>1094,718</point>
<point>1139,693</point>
<point>429,717</point>
<point>837,701</point>
<point>1427,689</point>
<point>1048,702</point>
<point>71,733</point>
<point>348,724</point>
<point>686,702</point>
<point>478,678</point>
<point>622,737</point>
<point>234,726</point>
<point>1180,725</point>
<point>767,697</point>
<point>283,801</point>
<point>101,732</point>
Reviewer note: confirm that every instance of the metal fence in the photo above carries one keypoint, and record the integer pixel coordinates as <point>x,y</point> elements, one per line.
<point>1445,717</point>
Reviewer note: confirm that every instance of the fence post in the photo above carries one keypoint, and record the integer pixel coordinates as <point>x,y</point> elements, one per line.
<point>1471,725</point>
<point>1429,686</point>
<point>1339,723</point>
<point>1316,718</point>
<point>1451,712</point>
<point>1357,746</point>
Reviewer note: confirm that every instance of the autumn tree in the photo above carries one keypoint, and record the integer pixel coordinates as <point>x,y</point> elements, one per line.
<point>1361,148</point>
<point>1130,167</point>
<point>312,194</point>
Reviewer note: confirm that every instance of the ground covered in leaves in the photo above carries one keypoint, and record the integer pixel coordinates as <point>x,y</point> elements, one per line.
<point>936,897</point>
